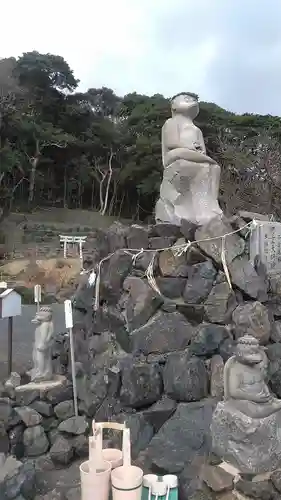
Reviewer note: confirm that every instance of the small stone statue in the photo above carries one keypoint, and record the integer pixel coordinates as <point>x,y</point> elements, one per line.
<point>42,347</point>
<point>246,426</point>
<point>190,185</point>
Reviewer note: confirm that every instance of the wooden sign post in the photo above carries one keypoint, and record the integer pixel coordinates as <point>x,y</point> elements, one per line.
<point>37,296</point>
<point>10,306</point>
<point>69,325</point>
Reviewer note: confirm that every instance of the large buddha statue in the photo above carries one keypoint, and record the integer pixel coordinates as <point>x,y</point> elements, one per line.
<point>190,184</point>
<point>246,426</point>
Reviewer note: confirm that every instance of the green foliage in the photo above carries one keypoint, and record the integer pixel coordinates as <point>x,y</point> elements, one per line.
<point>44,72</point>
<point>60,147</point>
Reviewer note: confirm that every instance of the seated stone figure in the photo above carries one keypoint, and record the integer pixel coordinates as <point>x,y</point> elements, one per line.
<point>190,185</point>
<point>246,426</point>
<point>42,348</point>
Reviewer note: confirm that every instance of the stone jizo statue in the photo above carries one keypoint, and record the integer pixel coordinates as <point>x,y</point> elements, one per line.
<point>190,184</point>
<point>246,426</point>
<point>42,347</point>
<point>244,380</point>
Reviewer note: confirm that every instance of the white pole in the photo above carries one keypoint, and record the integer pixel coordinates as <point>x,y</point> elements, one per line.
<point>64,248</point>
<point>69,324</point>
<point>73,372</point>
<point>37,296</point>
<point>81,252</point>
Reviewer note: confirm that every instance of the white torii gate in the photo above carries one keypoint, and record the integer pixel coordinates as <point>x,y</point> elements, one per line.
<point>80,240</point>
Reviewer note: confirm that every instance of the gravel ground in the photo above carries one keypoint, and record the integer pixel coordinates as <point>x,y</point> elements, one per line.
<point>23,335</point>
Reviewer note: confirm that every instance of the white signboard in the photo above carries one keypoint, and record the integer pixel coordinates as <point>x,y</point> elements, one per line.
<point>37,293</point>
<point>265,241</point>
<point>10,304</point>
<point>68,314</point>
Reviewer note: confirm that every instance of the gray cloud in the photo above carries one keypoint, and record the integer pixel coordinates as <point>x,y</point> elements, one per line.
<point>228,51</point>
<point>244,72</point>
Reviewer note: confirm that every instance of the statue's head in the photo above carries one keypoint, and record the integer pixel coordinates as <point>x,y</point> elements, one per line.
<point>248,351</point>
<point>43,315</point>
<point>185,103</point>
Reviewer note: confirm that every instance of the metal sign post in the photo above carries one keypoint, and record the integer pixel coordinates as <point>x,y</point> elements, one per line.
<point>69,324</point>
<point>37,296</point>
<point>10,344</point>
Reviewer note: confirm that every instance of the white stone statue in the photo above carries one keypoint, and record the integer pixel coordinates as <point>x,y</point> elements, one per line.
<point>246,426</point>
<point>42,347</point>
<point>190,184</point>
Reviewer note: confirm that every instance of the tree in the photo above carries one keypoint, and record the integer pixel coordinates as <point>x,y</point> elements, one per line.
<point>97,150</point>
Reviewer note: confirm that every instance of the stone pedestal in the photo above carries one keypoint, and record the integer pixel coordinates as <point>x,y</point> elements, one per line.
<point>252,445</point>
<point>229,483</point>
<point>58,380</point>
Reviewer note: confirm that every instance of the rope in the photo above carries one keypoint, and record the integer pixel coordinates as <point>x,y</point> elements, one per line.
<point>177,250</point>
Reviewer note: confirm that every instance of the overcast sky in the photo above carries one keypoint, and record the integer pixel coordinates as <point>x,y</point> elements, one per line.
<point>227,51</point>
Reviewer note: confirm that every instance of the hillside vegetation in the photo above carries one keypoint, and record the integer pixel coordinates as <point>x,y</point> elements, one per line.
<point>96,150</point>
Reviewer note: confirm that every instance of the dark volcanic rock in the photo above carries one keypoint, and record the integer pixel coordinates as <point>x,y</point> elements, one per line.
<point>188,229</point>
<point>7,413</point>
<point>185,377</point>
<point>252,318</point>
<point>165,229</point>
<point>141,384</point>
<point>165,332</point>
<point>25,398</point>
<point>171,287</point>
<point>116,236</point>
<point>160,412</point>
<point>195,313</point>
<point>29,416</point>
<point>35,441</point>
<point>140,303</point>
<point>62,451</point>
<point>137,237</point>
<point>110,319</point>
<point>208,339</point>
<point>275,335</point>
<point>113,273</point>
<point>91,393</point>
<point>81,446</point>
<point>159,242</point>
<point>227,349</point>
<point>217,369</point>
<point>45,409</point>
<point>64,410</point>
<point>4,440</point>
<point>16,441</point>
<point>17,479</point>
<point>263,490</point>
<point>58,394</point>
<point>245,277</point>
<point>183,437</point>
<point>200,282</point>
<point>274,371</point>
<point>173,265</point>
<point>141,431</point>
<point>74,425</point>
<point>220,303</point>
<point>217,478</point>
<point>191,486</point>
<point>144,259</point>
<point>108,409</point>
<point>276,480</point>
<point>219,226</point>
